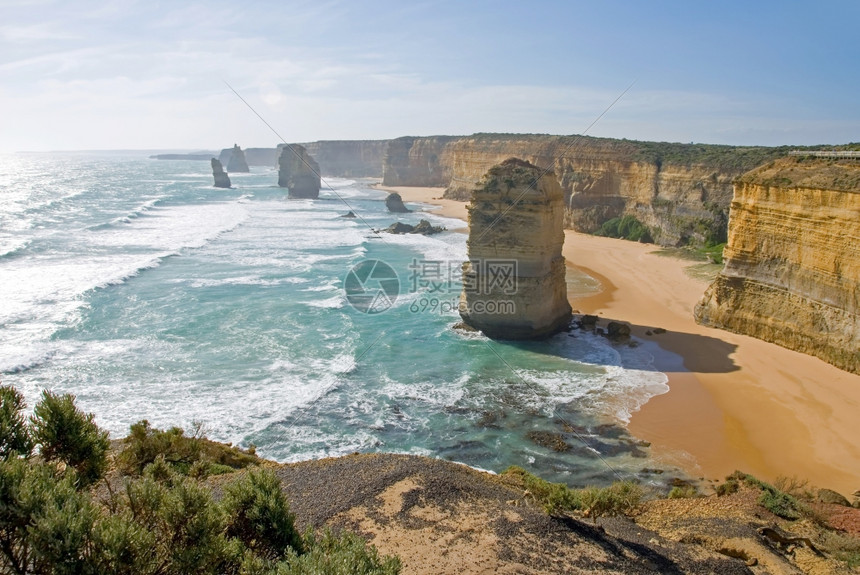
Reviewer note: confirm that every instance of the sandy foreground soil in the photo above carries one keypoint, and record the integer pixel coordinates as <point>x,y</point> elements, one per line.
<point>735,402</point>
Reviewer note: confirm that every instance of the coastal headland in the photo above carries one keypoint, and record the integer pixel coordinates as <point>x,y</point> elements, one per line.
<point>735,402</point>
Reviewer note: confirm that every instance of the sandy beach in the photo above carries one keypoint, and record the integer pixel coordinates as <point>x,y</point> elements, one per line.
<point>735,402</point>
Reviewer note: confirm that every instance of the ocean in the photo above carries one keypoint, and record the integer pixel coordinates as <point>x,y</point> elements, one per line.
<point>148,294</point>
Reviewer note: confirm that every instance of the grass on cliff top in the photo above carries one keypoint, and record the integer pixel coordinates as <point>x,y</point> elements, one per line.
<point>620,498</point>
<point>724,158</point>
<point>808,172</point>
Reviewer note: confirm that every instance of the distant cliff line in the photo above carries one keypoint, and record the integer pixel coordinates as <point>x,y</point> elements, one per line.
<point>681,192</point>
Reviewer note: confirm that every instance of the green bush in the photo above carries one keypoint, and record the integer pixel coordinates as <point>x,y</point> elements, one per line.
<point>192,455</point>
<point>66,434</point>
<point>161,521</point>
<point>258,515</point>
<point>14,434</point>
<point>626,227</point>
<point>341,554</point>
<point>730,486</point>
<point>683,492</point>
<point>617,499</point>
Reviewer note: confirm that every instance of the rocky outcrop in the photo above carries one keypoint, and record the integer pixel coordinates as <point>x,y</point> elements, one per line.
<point>222,180</point>
<point>237,162</point>
<point>394,203</point>
<point>423,227</point>
<point>298,172</point>
<point>514,282</point>
<point>792,271</point>
<point>680,191</point>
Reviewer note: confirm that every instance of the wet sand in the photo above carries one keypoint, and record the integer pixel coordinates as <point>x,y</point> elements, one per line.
<point>735,402</point>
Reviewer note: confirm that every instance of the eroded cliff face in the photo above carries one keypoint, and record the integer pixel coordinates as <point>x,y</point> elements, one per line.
<point>514,282</point>
<point>298,172</point>
<point>349,158</point>
<point>682,192</point>
<point>792,273</point>
<point>413,161</point>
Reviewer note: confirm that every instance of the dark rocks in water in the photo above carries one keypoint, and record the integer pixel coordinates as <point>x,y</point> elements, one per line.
<point>588,321</point>
<point>394,203</point>
<point>237,162</point>
<point>298,172</point>
<point>549,440</point>
<point>349,214</point>
<point>222,180</point>
<point>424,228</point>
<point>617,330</point>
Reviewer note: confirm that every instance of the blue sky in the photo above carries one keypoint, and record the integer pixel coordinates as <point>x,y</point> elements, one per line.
<point>149,74</point>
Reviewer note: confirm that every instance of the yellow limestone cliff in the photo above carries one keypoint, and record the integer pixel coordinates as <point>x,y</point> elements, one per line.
<point>514,282</point>
<point>792,273</point>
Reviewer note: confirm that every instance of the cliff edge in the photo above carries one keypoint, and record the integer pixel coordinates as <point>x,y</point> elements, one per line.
<point>792,272</point>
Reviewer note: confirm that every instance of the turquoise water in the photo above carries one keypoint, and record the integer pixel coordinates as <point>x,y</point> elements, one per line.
<point>138,287</point>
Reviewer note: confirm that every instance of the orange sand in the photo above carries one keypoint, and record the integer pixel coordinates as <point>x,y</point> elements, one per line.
<point>737,402</point>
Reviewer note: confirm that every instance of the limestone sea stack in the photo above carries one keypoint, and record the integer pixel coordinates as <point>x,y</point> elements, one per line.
<point>222,180</point>
<point>298,172</point>
<point>237,161</point>
<point>394,203</point>
<point>514,282</point>
<point>792,269</point>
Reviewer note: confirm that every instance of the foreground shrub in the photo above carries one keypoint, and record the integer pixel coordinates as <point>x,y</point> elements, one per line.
<point>160,522</point>
<point>14,434</point>
<point>64,433</point>
<point>258,515</point>
<point>342,554</point>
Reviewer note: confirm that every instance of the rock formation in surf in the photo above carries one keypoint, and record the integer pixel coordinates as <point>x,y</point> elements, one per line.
<point>792,271</point>
<point>298,172</point>
<point>394,203</point>
<point>237,162</point>
<point>514,282</point>
<point>222,180</point>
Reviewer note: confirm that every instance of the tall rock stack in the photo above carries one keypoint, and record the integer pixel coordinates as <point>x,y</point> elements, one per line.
<point>298,172</point>
<point>792,272</point>
<point>222,180</point>
<point>237,162</point>
<point>514,282</point>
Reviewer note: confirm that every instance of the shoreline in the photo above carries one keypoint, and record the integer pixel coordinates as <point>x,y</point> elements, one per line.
<point>734,402</point>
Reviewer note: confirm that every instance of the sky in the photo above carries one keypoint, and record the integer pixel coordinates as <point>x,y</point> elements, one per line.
<point>152,74</point>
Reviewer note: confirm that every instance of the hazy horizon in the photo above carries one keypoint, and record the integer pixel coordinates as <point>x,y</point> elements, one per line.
<point>132,75</point>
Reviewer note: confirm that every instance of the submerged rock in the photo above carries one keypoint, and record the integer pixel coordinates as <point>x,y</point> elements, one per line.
<point>514,282</point>
<point>349,214</point>
<point>237,161</point>
<point>222,180</point>
<point>298,172</point>
<point>394,203</point>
